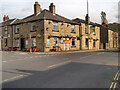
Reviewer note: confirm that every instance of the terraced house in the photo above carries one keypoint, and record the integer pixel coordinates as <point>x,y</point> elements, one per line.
<point>49,31</point>
<point>90,34</point>
<point>6,37</point>
<point>46,30</point>
<point>108,37</point>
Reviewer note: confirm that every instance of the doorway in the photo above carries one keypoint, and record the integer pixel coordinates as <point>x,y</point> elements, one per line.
<point>22,43</point>
<point>68,45</point>
<point>104,45</point>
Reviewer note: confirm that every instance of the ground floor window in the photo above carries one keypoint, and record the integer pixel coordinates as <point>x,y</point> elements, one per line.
<point>73,42</point>
<point>93,42</point>
<point>26,42</point>
<point>86,42</point>
<point>6,42</point>
<point>17,42</point>
<point>33,42</point>
<point>55,41</point>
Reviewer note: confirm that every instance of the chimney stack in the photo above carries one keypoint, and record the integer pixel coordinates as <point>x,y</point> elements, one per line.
<point>37,8</point>
<point>4,18</point>
<point>87,19</point>
<point>7,17</point>
<point>52,8</point>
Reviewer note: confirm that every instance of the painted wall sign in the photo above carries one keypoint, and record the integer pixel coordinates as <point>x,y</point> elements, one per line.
<point>67,41</point>
<point>48,41</point>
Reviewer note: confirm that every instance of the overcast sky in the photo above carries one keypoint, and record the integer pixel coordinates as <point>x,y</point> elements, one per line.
<point>68,8</point>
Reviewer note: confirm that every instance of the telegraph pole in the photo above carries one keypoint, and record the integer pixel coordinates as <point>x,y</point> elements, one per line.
<point>87,22</point>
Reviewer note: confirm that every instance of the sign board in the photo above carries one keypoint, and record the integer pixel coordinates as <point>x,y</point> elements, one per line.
<point>61,41</point>
<point>66,41</point>
<point>8,35</point>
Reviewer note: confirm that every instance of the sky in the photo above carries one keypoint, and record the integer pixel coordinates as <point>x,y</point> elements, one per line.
<point>70,9</point>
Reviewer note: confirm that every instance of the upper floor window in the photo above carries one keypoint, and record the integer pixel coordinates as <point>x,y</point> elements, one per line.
<point>6,30</point>
<point>93,30</point>
<point>86,28</point>
<point>55,26</point>
<point>17,29</point>
<point>73,28</point>
<point>33,27</point>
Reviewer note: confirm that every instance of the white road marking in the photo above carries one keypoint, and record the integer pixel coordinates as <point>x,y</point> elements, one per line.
<point>4,61</point>
<point>6,80</point>
<point>101,53</point>
<point>85,57</point>
<point>59,64</point>
<point>16,77</point>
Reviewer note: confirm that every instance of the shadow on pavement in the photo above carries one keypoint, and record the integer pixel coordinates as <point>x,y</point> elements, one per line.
<point>72,75</point>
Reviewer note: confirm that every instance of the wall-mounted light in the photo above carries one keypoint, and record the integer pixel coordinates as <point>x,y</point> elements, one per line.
<point>47,28</point>
<point>68,25</point>
<point>49,22</point>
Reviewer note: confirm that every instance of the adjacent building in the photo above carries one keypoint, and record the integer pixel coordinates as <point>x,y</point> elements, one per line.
<point>90,35</point>
<point>6,31</point>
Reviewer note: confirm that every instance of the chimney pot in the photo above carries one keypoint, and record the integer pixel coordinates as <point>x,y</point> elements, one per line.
<point>52,8</point>
<point>37,8</point>
<point>4,18</point>
<point>7,17</point>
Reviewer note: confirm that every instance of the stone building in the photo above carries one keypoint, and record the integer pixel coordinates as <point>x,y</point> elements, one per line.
<point>45,29</point>
<point>90,34</point>
<point>6,37</point>
<point>108,37</point>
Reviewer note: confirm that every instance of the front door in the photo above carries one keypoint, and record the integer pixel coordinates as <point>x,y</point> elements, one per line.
<point>104,45</point>
<point>68,48</point>
<point>22,43</point>
<point>56,41</point>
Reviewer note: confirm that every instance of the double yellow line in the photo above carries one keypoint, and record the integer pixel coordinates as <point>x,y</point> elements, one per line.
<point>113,85</point>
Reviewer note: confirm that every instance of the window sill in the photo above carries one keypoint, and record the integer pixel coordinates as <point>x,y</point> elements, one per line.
<point>33,31</point>
<point>55,31</point>
<point>16,33</point>
<point>73,32</point>
<point>73,46</point>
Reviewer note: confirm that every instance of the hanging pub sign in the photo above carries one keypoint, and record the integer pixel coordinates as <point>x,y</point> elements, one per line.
<point>66,41</point>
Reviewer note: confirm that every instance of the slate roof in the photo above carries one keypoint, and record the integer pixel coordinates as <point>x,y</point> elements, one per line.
<point>78,20</point>
<point>45,14</point>
<point>9,22</point>
<point>92,23</point>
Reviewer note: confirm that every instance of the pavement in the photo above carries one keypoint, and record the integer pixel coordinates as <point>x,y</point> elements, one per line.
<point>78,69</point>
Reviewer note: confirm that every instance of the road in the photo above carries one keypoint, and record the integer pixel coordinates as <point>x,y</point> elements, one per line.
<point>95,69</point>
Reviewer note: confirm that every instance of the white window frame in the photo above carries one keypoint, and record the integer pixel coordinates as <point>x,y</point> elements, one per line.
<point>26,42</point>
<point>73,28</point>
<point>86,28</point>
<point>33,42</point>
<point>32,27</point>
<point>17,41</point>
<point>6,30</point>
<point>6,42</point>
<point>16,30</point>
<point>55,26</point>
<point>56,41</point>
